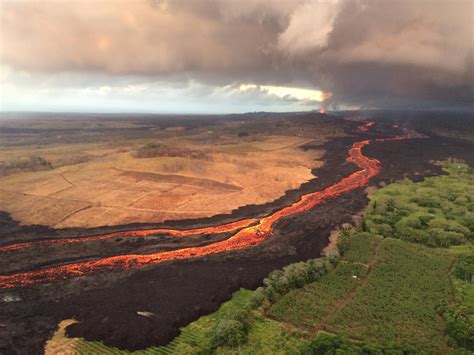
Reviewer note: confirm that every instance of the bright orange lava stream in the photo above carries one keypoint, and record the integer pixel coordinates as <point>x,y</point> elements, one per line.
<point>365,127</point>
<point>224,228</point>
<point>252,231</point>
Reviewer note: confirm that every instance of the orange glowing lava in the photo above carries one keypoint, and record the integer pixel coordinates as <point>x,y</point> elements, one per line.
<point>224,228</point>
<point>365,128</point>
<point>249,232</point>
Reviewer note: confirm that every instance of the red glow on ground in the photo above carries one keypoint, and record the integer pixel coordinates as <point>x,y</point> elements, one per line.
<point>224,228</point>
<point>249,231</point>
<point>365,127</point>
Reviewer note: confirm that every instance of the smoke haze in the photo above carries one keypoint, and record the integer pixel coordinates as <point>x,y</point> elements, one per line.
<point>366,53</point>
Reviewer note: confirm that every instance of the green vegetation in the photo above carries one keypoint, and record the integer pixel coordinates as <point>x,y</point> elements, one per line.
<point>152,150</point>
<point>437,212</point>
<point>358,247</point>
<point>397,303</point>
<point>293,276</point>
<point>402,285</point>
<point>459,315</point>
<point>32,163</point>
<point>464,269</point>
<point>330,344</point>
<point>308,306</point>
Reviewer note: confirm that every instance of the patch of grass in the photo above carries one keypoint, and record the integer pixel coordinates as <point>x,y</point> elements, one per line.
<point>358,247</point>
<point>308,306</point>
<point>32,163</point>
<point>398,302</point>
<point>459,315</point>
<point>269,337</point>
<point>152,150</point>
<point>292,277</point>
<point>468,296</point>
<point>237,148</point>
<point>333,344</point>
<point>464,269</point>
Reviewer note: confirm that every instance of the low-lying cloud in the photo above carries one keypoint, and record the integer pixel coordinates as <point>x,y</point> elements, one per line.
<point>366,52</point>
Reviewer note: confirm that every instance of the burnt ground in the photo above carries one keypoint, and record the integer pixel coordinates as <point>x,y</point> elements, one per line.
<point>178,292</point>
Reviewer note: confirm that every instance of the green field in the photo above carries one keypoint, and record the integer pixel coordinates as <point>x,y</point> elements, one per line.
<point>403,284</point>
<point>397,303</point>
<point>309,305</point>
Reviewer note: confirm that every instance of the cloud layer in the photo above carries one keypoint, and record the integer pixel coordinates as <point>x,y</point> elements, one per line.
<point>366,52</point>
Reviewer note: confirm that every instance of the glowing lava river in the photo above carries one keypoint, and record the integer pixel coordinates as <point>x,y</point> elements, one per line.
<point>247,232</point>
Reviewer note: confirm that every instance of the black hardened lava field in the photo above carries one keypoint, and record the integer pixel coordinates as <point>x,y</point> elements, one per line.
<point>180,270</point>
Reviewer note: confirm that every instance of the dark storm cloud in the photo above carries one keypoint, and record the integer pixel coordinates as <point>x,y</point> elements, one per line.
<point>401,52</point>
<point>369,53</point>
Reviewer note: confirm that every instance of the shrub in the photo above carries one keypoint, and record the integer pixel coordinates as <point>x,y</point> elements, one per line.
<point>413,235</point>
<point>454,238</point>
<point>468,221</point>
<point>293,276</point>
<point>459,326</point>
<point>259,297</point>
<point>344,241</point>
<point>152,150</point>
<point>411,222</point>
<point>450,226</point>
<point>461,200</point>
<point>464,269</point>
<point>184,349</point>
<point>232,328</point>
<point>229,332</point>
<point>425,219</point>
<point>438,237</point>
<point>428,201</point>
<point>32,163</point>
<point>330,344</point>
<point>382,229</point>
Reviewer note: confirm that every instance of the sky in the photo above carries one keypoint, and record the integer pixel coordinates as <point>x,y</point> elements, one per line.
<point>223,56</point>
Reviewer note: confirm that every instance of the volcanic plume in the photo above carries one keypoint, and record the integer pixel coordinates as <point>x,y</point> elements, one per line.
<point>366,53</point>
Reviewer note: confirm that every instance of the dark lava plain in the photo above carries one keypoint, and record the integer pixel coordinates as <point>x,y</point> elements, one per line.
<point>106,303</point>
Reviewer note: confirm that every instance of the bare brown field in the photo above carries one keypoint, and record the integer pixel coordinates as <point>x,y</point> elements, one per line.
<point>95,182</point>
<point>59,343</point>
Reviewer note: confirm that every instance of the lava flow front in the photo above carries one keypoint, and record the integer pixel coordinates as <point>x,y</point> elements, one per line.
<point>249,232</point>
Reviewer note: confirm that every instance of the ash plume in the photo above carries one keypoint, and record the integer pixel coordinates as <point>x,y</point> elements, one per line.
<point>365,52</point>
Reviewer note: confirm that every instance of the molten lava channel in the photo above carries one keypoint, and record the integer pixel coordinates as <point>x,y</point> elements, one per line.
<point>249,232</point>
